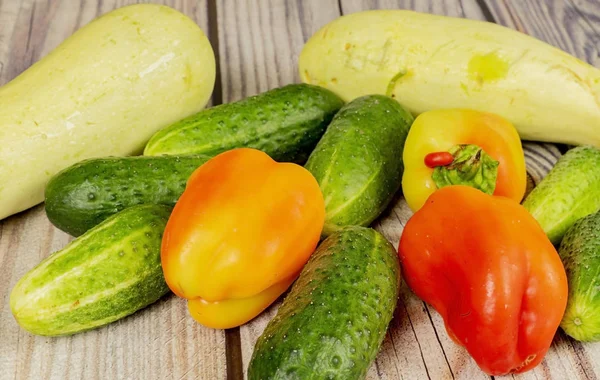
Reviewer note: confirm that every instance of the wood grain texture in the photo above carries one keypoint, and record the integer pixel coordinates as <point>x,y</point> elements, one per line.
<point>160,342</point>
<point>258,44</point>
<point>589,10</point>
<point>573,28</point>
<point>455,8</point>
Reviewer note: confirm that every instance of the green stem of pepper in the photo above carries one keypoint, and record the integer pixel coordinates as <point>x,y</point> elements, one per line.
<point>471,166</point>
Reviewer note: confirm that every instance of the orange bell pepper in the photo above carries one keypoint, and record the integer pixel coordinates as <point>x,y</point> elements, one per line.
<point>462,147</point>
<point>486,265</point>
<point>240,234</point>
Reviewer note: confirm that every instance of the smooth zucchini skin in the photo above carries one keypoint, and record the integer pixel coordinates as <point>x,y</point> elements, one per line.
<point>580,253</point>
<point>570,191</point>
<point>358,162</point>
<point>286,123</point>
<point>108,273</point>
<point>104,91</point>
<point>430,62</point>
<point>333,321</point>
<point>85,194</point>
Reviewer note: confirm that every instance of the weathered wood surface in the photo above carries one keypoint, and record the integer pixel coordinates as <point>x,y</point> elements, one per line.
<point>258,43</point>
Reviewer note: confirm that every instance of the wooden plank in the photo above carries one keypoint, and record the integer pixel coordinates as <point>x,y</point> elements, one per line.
<point>589,11</point>
<point>160,342</point>
<point>8,19</point>
<point>575,29</point>
<point>260,42</point>
<point>455,8</point>
<point>259,45</point>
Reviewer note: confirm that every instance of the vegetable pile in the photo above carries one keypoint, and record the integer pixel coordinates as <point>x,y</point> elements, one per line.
<point>232,206</point>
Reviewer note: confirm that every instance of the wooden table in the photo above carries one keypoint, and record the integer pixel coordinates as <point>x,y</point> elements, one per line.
<point>257,43</point>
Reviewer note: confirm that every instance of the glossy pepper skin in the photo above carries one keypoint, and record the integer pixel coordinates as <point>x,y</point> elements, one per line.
<point>439,131</point>
<point>240,234</point>
<point>487,267</point>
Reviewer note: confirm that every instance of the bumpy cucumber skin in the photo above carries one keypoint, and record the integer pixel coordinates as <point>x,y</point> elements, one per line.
<point>108,273</point>
<point>286,123</point>
<point>83,195</point>
<point>333,321</point>
<point>580,253</point>
<point>569,192</point>
<point>358,162</point>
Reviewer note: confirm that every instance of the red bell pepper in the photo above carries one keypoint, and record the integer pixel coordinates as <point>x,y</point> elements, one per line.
<point>485,264</point>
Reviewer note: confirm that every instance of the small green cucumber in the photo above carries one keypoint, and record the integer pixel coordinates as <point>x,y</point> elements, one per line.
<point>358,162</point>
<point>286,123</point>
<point>104,275</point>
<point>333,321</point>
<point>570,191</point>
<point>83,195</point>
<point>580,253</point>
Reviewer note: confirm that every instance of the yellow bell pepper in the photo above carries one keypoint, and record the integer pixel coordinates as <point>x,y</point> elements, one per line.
<point>240,235</point>
<point>462,147</point>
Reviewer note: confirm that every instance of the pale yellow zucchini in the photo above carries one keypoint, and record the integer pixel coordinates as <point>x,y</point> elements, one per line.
<point>428,62</point>
<point>104,91</point>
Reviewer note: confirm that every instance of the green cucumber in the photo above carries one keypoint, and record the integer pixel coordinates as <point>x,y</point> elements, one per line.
<point>580,253</point>
<point>286,123</point>
<point>83,195</point>
<point>358,162</point>
<point>108,273</point>
<point>333,321</point>
<point>570,191</point>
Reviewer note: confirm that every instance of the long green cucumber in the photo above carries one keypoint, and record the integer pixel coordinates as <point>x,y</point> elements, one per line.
<point>83,195</point>
<point>570,191</point>
<point>333,321</point>
<point>108,273</point>
<point>580,253</point>
<point>358,162</point>
<point>286,123</point>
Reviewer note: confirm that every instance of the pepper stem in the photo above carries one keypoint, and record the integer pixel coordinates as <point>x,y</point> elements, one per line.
<point>471,166</point>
